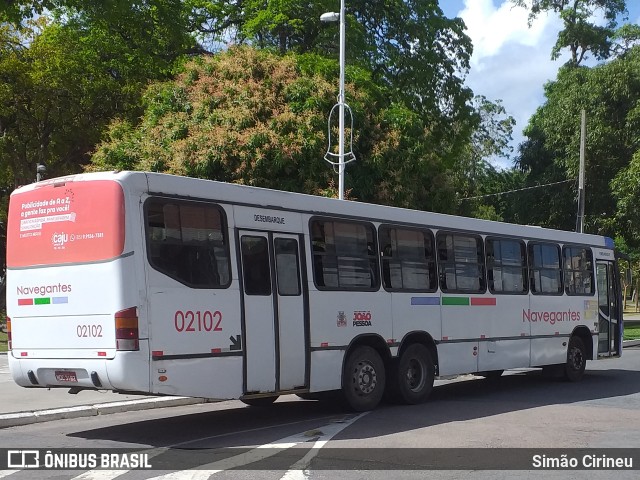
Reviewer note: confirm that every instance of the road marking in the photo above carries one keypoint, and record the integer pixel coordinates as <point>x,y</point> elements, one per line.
<point>100,474</point>
<point>6,473</point>
<point>111,474</point>
<point>299,470</point>
<point>265,451</point>
<point>248,430</point>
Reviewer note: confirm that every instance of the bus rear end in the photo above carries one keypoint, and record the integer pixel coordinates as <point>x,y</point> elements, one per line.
<point>72,294</point>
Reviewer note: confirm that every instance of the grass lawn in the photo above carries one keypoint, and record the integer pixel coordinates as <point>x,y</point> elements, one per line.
<point>630,332</point>
<point>3,342</point>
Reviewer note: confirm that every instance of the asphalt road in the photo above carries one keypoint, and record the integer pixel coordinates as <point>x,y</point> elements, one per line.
<point>297,439</point>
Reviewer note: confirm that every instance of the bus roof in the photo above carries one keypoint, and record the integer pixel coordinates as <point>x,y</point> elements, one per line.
<point>188,187</point>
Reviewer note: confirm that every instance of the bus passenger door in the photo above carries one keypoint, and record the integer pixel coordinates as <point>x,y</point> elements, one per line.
<point>609,310</point>
<point>275,320</point>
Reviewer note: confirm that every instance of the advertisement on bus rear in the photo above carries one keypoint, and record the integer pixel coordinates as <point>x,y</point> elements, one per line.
<point>65,222</point>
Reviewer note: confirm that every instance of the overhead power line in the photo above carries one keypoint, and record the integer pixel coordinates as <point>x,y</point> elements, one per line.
<point>517,190</point>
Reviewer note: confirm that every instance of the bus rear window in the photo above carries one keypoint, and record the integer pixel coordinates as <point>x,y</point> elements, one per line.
<point>67,222</point>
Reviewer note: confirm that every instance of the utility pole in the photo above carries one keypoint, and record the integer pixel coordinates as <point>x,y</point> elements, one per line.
<point>581,196</point>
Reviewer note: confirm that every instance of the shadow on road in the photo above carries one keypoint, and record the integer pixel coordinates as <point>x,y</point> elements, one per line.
<point>452,402</point>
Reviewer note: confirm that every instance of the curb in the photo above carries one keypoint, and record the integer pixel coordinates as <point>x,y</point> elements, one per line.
<point>38,416</point>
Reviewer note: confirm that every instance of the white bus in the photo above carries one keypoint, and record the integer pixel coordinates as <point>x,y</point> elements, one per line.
<point>157,284</point>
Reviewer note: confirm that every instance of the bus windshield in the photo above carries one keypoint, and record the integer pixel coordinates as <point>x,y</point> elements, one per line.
<point>65,222</point>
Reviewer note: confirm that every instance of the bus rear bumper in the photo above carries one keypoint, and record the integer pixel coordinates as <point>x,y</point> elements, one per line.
<point>125,371</point>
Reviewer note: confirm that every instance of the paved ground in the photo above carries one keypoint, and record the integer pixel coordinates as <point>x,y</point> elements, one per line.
<point>22,406</point>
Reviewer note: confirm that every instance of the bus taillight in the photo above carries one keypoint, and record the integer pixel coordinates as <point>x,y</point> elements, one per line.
<point>127,329</point>
<point>8,333</point>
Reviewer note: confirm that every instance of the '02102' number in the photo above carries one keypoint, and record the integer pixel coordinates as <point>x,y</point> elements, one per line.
<point>89,331</point>
<point>198,321</point>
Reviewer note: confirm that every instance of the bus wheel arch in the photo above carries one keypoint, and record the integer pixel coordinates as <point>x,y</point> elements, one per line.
<point>364,372</point>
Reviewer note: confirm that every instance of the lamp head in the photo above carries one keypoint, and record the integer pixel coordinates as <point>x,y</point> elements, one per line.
<point>330,17</point>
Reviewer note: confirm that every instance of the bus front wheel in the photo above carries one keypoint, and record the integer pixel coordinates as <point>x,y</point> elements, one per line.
<point>576,360</point>
<point>363,379</point>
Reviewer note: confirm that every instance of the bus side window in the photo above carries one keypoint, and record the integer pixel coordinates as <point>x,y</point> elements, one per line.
<point>408,262</point>
<point>506,266</point>
<point>344,255</point>
<point>187,241</point>
<point>578,271</point>
<point>461,263</point>
<point>545,268</point>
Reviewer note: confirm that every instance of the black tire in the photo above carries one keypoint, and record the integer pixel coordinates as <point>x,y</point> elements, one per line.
<point>415,375</point>
<point>259,401</point>
<point>576,360</point>
<point>363,379</point>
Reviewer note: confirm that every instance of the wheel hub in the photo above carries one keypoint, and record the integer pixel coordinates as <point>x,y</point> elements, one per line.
<point>576,359</point>
<point>365,378</point>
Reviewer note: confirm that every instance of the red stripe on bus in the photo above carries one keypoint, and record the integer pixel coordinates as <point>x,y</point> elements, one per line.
<point>157,353</point>
<point>25,301</point>
<point>483,301</point>
<point>216,350</point>
<point>102,354</point>
<point>324,344</point>
<point>23,354</point>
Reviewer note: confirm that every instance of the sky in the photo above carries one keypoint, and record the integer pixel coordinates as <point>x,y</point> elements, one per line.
<point>512,61</point>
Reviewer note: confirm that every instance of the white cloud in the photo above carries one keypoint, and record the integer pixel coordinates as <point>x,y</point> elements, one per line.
<point>511,61</point>
<point>492,28</point>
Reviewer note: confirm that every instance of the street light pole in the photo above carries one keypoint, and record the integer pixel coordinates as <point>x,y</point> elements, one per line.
<point>341,166</point>
<point>40,171</point>
<point>342,106</point>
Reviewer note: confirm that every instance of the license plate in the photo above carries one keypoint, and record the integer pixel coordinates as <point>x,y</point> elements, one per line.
<point>63,376</point>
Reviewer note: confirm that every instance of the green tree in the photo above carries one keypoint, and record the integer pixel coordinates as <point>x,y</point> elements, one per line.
<point>409,45</point>
<point>581,34</point>
<point>489,141</point>
<point>256,118</point>
<point>60,85</point>
<point>609,93</point>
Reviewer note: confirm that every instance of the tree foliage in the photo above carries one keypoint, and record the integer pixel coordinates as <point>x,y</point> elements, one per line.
<point>60,85</point>
<point>421,55</point>
<point>256,118</point>
<point>581,33</point>
<point>610,95</point>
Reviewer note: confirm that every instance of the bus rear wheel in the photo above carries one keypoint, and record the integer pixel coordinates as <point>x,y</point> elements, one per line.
<point>576,360</point>
<point>363,379</point>
<point>259,401</point>
<point>415,375</point>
